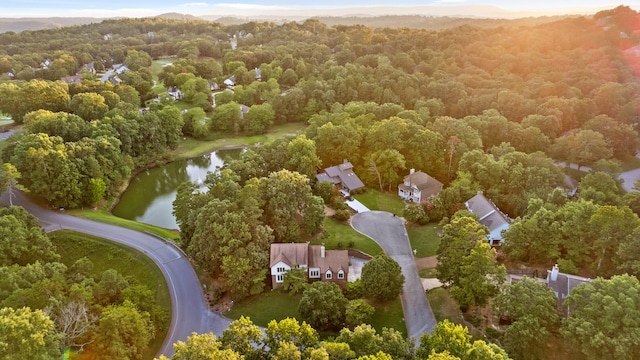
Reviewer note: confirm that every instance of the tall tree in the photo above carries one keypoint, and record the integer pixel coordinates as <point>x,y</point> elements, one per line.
<point>9,177</point>
<point>323,305</point>
<point>202,347</point>
<point>27,334</point>
<point>530,305</point>
<point>123,332</point>
<point>382,278</point>
<point>604,318</point>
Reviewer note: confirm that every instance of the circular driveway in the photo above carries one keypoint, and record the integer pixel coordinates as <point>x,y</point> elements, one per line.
<point>189,312</point>
<point>389,232</point>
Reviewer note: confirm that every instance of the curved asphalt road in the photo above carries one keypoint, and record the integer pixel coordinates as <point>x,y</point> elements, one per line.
<point>189,310</point>
<point>389,232</point>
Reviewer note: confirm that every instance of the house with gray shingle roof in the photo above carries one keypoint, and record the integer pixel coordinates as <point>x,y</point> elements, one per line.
<point>317,262</point>
<point>342,175</point>
<point>562,284</point>
<point>418,187</point>
<point>490,216</point>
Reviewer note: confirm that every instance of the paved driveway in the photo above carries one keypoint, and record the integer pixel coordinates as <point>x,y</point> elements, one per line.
<point>389,232</point>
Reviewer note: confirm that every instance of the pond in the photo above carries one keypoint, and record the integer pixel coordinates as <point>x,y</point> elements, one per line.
<point>150,195</point>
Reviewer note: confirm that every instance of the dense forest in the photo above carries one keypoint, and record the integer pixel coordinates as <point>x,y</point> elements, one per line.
<point>491,109</point>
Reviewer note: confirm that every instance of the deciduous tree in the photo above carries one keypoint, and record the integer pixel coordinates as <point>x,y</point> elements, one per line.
<point>604,318</point>
<point>382,278</point>
<point>323,305</point>
<point>27,334</point>
<point>530,305</point>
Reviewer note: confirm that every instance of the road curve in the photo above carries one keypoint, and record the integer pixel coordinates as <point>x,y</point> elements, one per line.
<point>389,232</point>
<point>189,310</point>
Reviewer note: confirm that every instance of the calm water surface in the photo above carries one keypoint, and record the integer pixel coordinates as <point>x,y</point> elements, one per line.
<point>149,197</point>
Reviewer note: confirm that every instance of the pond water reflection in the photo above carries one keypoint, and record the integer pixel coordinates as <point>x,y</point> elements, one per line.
<point>150,195</point>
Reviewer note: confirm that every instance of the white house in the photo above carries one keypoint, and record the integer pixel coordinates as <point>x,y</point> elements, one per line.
<point>418,187</point>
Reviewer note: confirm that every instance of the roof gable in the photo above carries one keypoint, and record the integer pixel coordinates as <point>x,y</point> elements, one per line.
<point>488,213</point>
<point>289,253</point>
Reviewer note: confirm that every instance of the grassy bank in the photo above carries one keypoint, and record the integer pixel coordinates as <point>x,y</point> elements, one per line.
<point>103,216</point>
<point>129,262</point>
<point>189,147</point>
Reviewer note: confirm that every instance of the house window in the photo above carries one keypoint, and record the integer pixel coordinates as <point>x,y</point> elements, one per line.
<point>314,273</point>
<point>341,274</point>
<point>279,278</point>
<point>328,275</point>
<point>280,270</point>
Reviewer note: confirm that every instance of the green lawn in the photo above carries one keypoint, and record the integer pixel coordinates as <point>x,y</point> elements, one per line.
<point>5,120</point>
<point>190,147</point>
<point>443,306</point>
<point>376,200</point>
<point>424,239</point>
<point>427,273</point>
<point>157,65</point>
<point>272,305</point>
<point>338,235</point>
<point>129,262</point>
<point>103,216</point>
<point>389,315</point>
<point>278,305</point>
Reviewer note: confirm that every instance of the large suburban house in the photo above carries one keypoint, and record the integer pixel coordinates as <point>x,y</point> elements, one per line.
<point>418,187</point>
<point>562,284</point>
<point>342,175</point>
<point>319,264</point>
<point>490,216</point>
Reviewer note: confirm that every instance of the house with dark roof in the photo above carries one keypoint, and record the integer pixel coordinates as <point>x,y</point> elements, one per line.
<point>562,284</point>
<point>490,216</point>
<point>317,262</point>
<point>342,175</point>
<point>418,187</point>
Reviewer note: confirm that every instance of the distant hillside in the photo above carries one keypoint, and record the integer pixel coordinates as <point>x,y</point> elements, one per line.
<point>434,23</point>
<point>22,24</point>
<point>178,16</point>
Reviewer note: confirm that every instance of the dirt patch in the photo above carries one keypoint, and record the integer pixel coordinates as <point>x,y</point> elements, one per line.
<point>426,262</point>
<point>329,212</point>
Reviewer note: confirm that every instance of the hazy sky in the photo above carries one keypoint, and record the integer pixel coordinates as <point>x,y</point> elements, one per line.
<point>106,8</point>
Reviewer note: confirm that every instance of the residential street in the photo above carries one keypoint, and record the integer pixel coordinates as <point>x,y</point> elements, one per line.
<point>189,310</point>
<point>389,232</point>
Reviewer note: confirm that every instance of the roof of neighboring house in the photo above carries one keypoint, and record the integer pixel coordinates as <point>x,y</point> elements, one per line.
<point>489,214</point>
<point>422,181</point>
<point>564,283</point>
<point>344,173</point>
<point>571,184</point>
<point>326,177</point>
<point>74,79</point>
<point>289,253</point>
<point>333,260</point>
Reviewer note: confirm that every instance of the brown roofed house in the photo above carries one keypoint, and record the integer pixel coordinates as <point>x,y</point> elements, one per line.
<point>418,187</point>
<point>319,264</point>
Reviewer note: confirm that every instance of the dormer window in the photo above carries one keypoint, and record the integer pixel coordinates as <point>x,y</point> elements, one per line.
<point>341,275</point>
<point>328,275</point>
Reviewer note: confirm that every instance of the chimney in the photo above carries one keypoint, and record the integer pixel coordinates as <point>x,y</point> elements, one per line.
<point>322,251</point>
<point>412,171</point>
<point>554,272</point>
